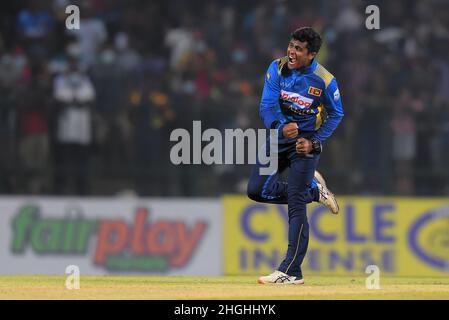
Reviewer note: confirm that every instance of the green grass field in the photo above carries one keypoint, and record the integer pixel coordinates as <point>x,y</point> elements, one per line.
<point>229,287</point>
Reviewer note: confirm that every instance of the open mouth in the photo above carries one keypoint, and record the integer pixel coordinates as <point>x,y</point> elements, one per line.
<point>291,59</point>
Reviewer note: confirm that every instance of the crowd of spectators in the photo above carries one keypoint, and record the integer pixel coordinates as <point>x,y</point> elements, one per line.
<point>90,111</point>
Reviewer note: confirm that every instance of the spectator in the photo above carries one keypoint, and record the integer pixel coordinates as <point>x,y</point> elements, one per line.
<point>74,95</point>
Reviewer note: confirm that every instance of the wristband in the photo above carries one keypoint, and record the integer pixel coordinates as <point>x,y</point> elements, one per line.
<point>316,146</point>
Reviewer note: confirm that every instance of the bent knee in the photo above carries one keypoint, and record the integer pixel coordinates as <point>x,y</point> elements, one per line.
<point>254,193</point>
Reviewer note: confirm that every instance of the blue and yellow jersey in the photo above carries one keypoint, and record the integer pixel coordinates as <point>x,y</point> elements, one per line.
<point>308,96</point>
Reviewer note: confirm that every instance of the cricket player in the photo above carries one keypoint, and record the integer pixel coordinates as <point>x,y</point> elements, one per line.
<point>302,101</point>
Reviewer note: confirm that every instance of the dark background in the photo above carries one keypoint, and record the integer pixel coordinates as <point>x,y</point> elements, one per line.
<point>158,65</point>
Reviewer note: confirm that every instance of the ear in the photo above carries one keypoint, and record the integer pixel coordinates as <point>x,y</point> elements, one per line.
<point>312,55</point>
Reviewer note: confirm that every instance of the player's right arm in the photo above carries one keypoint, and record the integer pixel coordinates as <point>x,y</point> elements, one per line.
<point>270,111</point>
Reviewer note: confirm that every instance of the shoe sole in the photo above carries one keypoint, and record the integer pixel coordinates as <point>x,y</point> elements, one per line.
<point>319,177</point>
<point>261,282</point>
<point>336,204</point>
<point>334,200</point>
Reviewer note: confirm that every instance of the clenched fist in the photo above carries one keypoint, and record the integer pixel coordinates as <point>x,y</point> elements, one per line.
<point>303,146</point>
<point>290,130</point>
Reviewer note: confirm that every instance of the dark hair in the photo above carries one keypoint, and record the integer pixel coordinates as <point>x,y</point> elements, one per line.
<point>307,34</point>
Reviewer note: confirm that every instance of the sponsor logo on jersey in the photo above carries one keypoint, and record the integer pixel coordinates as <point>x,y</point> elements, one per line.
<point>314,91</point>
<point>297,99</point>
<point>301,111</point>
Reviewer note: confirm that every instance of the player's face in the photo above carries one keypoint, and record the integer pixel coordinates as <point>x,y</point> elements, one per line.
<point>298,54</point>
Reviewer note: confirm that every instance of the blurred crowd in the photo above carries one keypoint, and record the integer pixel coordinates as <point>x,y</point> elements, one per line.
<point>90,111</point>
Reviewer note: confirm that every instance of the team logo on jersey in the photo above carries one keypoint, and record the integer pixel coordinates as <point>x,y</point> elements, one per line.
<point>297,99</point>
<point>315,91</point>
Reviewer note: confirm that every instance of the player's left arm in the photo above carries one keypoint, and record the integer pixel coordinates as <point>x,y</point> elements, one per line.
<point>334,108</point>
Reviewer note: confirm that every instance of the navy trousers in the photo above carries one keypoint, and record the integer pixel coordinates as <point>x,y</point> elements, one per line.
<point>297,192</point>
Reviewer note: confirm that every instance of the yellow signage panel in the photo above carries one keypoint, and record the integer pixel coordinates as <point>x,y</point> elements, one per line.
<point>402,236</point>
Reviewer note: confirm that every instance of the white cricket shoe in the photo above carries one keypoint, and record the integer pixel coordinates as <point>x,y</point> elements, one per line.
<point>326,196</point>
<point>278,277</point>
